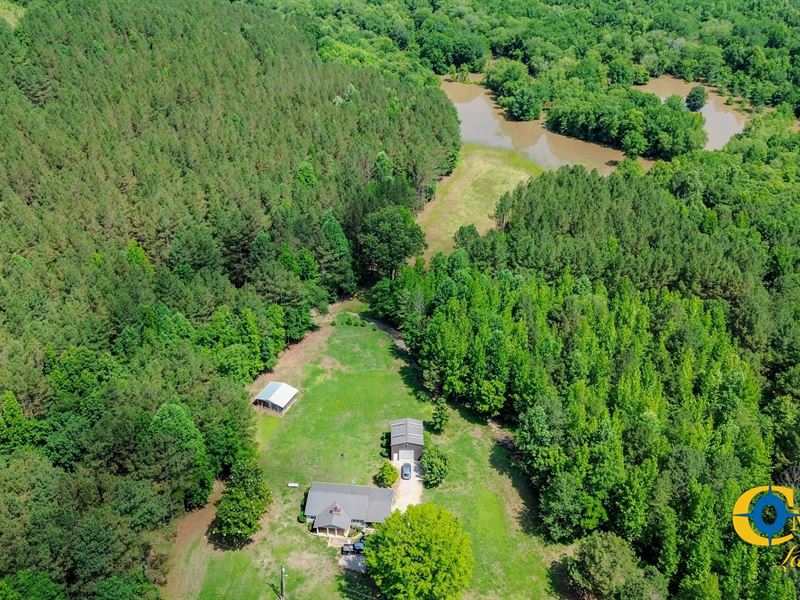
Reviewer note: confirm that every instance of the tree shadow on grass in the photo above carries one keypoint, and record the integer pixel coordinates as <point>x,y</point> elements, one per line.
<point>469,415</point>
<point>357,586</point>
<point>559,582</point>
<point>502,460</point>
<point>223,543</point>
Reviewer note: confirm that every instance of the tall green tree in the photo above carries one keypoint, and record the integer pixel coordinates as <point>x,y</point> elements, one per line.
<point>421,554</point>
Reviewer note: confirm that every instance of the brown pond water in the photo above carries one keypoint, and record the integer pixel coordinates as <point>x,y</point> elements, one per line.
<point>483,122</point>
<point>722,121</point>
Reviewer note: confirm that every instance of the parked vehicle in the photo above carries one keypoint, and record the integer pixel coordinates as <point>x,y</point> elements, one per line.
<point>405,471</point>
<point>357,548</point>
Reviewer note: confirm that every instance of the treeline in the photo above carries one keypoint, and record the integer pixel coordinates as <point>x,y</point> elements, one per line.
<point>636,122</point>
<point>640,334</point>
<point>634,411</point>
<point>180,186</point>
<point>747,48</point>
<point>579,60</point>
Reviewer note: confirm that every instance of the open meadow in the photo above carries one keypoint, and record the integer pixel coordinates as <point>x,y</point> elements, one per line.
<point>470,193</point>
<point>353,381</point>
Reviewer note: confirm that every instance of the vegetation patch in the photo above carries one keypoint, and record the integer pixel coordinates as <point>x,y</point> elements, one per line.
<point>11,12</point>
<point>469,195</point>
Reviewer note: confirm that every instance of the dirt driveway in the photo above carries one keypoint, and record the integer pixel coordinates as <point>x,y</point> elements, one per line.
<point>408,491</point>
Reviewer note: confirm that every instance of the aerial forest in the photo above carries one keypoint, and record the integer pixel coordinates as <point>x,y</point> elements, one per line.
<point>184,184</point>
<point>181,184</point>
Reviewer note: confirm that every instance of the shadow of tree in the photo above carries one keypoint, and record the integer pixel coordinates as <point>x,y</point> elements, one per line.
<point>357,586</point>
<point>559,582</point>
<point>469,415</point>
<point>220,542</point>
<point>528,518</point>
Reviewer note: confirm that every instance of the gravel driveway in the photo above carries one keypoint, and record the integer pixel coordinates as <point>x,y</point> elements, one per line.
<point>408,491</point>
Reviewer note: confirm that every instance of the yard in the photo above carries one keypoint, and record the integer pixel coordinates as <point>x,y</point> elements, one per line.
<point>353,383</point>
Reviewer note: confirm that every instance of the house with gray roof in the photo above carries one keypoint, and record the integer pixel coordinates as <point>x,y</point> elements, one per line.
<point>335,508</point>
<point>406,440</point>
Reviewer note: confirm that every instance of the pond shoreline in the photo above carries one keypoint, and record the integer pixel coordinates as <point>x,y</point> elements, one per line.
<point>484,122</point>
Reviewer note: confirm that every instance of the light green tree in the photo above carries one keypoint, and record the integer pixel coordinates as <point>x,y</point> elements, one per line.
<point>422,554</point>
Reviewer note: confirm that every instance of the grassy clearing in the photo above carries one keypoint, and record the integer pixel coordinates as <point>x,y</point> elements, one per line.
<point>11,12</point>
<point>353,383</point>
<point>491,495</point>
<point>470,194</point>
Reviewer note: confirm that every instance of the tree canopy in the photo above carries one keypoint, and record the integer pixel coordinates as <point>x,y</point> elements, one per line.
<point>181,184</point>
<point>421,554</point>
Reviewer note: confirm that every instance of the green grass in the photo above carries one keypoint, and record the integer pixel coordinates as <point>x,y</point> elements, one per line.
<point>11,12</point>
<point>470,194</point>
<point>350,391</point>
<point>491,496</point>
<point>352,387</point>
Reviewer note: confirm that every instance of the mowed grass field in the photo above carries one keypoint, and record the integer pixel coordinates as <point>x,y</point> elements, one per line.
<point>470,194</point>
<point>354,383</point>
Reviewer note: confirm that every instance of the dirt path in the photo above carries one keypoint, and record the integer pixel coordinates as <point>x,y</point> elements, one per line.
<point>296,356</point>
<point>191,550</point>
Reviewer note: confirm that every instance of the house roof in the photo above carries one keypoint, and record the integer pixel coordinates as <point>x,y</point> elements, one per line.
<point>277,393</point>
<point>407,431</point>
<point>361,503</point>
<point>333,516</point>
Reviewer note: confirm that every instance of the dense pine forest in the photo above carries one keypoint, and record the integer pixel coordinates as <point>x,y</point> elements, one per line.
<point>183,184</point>
<point>642,334</point>
<point>180,184</point>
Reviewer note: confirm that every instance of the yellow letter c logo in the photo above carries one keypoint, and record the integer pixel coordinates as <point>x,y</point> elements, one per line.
<point>744,518</point>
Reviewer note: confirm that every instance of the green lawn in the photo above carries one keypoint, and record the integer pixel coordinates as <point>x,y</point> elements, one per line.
<point>354,384</point>
<point>11,12</point>
<point>351,390</point>
<point>470,194</point>
<point>492,497</point>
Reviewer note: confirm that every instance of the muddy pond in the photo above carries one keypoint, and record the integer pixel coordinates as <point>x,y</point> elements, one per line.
<point>483,122</point>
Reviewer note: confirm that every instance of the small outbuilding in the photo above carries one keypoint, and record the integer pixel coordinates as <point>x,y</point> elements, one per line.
<point>277,396</point>
<point>406,439</point>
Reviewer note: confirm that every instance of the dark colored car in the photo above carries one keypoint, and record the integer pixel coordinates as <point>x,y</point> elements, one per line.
<point>357,548</point>
<point>405,471</point>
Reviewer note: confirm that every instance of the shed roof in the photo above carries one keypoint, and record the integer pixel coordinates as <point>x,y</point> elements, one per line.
<point>333,516</point>
<point>361,503</point>
<point>407,431</point>
<point>277,393</point>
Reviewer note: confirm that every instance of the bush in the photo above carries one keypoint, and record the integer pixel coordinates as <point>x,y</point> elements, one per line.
<point>386,444</point>
<point>386,475</point>
<point>696,99</point>
<point>434,466</point>
<point>440,417</point>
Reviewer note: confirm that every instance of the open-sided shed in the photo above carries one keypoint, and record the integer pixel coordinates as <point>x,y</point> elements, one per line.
<point>277,395</point>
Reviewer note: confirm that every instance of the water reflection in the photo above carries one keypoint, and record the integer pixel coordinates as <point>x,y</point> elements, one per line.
<point>722,121</point>
<point>482,122</point>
